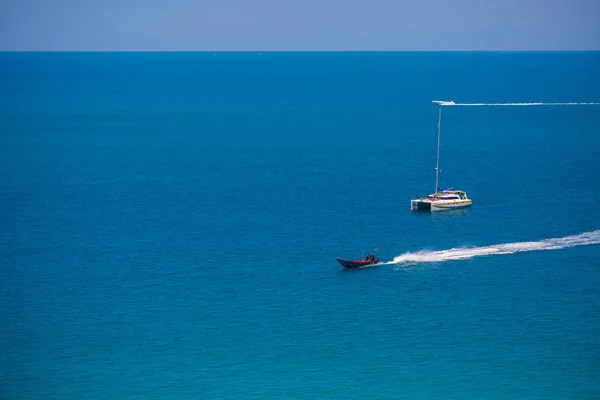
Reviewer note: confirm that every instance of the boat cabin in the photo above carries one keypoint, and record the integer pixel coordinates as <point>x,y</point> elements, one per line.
<point>448,195</point>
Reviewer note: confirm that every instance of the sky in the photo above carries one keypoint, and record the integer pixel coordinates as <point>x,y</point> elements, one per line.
<point>300,25</point>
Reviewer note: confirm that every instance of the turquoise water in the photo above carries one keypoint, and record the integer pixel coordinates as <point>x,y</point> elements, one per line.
<point>171,221</point>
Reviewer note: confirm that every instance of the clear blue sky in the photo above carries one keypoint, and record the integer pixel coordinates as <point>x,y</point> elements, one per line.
<point>299,25</point>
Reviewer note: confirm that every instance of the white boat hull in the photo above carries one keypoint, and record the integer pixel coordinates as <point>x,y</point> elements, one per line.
<point>439,205</point>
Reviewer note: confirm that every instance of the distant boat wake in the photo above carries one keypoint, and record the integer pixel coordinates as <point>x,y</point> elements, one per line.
<point>583,239</point>
<point>517,104</point>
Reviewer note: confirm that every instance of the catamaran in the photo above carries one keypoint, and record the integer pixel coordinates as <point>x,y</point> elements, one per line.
<point>444,198</point>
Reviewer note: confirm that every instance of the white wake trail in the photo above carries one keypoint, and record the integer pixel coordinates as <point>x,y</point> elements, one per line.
<point>517,104</point>
<point>583,239</point>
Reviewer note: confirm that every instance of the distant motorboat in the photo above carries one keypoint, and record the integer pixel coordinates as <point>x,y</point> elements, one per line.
<point>358,263</point>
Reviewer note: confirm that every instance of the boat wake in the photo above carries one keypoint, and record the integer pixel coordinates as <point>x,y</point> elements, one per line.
<point>583,239</point>
<point>517,104</point>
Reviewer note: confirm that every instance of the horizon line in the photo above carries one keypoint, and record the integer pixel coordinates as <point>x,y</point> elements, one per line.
<point>311,51</point>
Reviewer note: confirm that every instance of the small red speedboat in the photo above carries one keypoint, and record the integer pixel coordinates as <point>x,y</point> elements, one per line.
<point>358,263</point>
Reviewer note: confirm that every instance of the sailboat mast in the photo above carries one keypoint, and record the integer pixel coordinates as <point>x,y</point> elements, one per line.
<point>437,162</point>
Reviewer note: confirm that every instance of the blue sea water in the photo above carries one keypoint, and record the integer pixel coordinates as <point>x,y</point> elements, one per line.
<point>170,223</point>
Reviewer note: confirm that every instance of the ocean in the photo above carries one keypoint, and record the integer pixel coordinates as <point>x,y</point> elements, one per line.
<point>170,223</point>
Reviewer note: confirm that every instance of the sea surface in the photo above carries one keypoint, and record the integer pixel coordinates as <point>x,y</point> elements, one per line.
<point>170,221</point>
